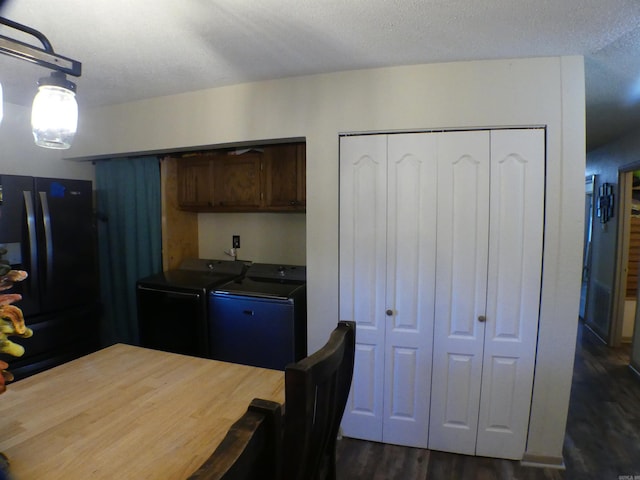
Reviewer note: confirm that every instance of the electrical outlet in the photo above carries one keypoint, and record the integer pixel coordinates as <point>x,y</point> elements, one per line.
<point>236,241</point>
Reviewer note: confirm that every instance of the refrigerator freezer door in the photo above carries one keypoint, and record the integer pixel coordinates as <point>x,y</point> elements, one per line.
<point>18,236</point>
<point>66,243</point>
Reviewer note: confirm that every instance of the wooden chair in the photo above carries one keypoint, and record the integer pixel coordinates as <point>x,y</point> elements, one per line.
<point>251,449</point>
<point>316,391</point>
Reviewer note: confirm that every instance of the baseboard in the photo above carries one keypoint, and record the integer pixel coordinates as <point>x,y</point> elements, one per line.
<point>635,370</point>
<point>595,333</point>
<point>542,461</point>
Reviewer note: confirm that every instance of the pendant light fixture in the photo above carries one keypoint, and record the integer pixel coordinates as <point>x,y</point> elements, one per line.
<point>54,115</point>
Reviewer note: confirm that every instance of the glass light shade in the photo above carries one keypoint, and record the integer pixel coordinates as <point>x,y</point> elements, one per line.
<point>54,117</point>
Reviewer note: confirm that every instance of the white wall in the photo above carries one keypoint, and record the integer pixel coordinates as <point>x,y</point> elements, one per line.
<point>19,155</point>
<point>541,91</point>
<point>628,319</point>
<point>605,163</point>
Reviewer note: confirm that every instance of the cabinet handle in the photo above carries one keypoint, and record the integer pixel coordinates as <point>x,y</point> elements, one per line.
<point>389,312</point>
<point>482,318</point>
<point>293,203</point>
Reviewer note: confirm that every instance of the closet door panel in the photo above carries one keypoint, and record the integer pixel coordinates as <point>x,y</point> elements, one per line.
<point>363,199</point>
<point>514,281</point>
<point>411,254</point>
<point>460,301</point>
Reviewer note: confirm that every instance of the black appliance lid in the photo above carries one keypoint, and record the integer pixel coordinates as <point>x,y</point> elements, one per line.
<point>278,271</point>
<point>266,288</point>
<point>214,266</point>
<point>188,279</point>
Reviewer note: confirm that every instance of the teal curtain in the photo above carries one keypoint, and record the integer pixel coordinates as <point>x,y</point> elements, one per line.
<point>129,239</point>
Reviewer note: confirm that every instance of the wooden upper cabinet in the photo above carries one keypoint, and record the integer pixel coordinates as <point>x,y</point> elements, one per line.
<point>195,176</point>
<point>285,177</point>
<point>268,179</point>
<point>237,182</point>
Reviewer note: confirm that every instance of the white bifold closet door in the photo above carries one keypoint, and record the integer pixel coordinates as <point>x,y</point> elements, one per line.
<point>440,266</point>
<point>387,282</point>
<point>461,289</point>
<point>490,232</point>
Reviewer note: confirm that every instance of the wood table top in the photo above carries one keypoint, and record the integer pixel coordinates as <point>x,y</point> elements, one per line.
<point>126,412</point>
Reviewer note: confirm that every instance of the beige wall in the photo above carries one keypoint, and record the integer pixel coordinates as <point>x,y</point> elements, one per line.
<point>264,237</point>
<point>541,91</point>
<point>19,155</point>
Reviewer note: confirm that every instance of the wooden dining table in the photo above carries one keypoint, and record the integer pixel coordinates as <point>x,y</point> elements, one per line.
<point>126,412</point>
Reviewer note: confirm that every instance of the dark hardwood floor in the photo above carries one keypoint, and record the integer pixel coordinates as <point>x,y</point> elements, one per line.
<point>602,440</point>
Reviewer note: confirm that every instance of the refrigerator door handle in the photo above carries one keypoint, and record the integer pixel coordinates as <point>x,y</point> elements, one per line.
<point>33,243</point>
<point>48,241</point>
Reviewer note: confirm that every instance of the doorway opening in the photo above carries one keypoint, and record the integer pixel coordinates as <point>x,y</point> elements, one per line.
<point>626,314</point>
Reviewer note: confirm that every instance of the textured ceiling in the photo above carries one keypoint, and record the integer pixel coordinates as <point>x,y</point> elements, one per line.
<point>135,49</point>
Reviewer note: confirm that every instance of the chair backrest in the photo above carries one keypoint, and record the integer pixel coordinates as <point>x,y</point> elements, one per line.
<point>251,449</point>
<point>316,391</point>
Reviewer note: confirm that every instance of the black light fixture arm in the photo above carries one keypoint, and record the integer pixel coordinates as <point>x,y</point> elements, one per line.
<point>45,57</point>
<point>31,31</point>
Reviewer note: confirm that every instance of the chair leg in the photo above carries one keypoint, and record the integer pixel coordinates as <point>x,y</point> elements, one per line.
<point>330,462</point>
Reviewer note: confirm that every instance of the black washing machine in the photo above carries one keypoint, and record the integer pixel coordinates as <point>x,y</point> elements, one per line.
<point>172,306</point>
<point>261,318</point>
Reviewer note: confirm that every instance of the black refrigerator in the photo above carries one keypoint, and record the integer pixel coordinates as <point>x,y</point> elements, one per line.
<point>47,226</point>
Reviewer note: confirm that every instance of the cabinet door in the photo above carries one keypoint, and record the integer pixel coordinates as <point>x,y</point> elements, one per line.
<point>513,290</point>
<point>237,182</point>
<point>462,246</point>
<point>410,287</point>
<point>285,177</point>
<point>195,182</point>
<point>363,230</point>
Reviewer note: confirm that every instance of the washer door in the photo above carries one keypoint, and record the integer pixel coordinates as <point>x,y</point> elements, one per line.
<point>173,321</point>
